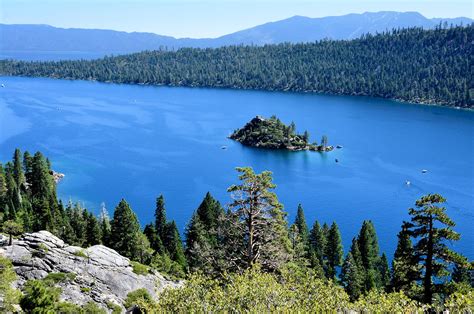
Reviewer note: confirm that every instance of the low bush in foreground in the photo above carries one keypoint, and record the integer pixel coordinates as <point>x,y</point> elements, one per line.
<point>258,292</point>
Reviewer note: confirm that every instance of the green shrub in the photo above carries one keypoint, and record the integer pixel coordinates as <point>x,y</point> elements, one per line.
<point>92,308</point>
<point>9,295</point>
<point>55,278</point>
<point>460,302</point>
<point>140,269</point>
<point>85,289</point>
<point>81,253</point>
<point>167,267</point>
<point>381,302</point>
<point>66,308</point>
<point>41,251</point>
<point>38,296</point>
<point>43,248</point>
<point>253,291</point>
<point>140,298</point>
<point>116,309</point>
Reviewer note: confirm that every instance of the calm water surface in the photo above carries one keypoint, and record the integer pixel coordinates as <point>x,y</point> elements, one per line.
<point>115,141</point>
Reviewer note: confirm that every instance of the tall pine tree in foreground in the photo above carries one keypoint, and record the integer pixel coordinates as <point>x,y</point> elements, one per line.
<point>432,228</point>
<point>261,220</point>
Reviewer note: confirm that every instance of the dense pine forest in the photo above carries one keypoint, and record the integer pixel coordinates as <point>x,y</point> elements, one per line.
<point>245,256</point>
<point>415,65</point>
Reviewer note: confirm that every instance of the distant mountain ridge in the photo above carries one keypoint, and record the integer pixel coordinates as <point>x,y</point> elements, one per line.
<point>40,38</point>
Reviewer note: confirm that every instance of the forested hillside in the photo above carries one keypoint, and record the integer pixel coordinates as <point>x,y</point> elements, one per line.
<point>245,257</point>
<point>416,65</point>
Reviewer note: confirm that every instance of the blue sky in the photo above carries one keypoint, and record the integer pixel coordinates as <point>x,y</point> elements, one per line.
<point>203,18</point>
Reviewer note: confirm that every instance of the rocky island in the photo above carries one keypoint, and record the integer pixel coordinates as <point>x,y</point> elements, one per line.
<point>274,134</point>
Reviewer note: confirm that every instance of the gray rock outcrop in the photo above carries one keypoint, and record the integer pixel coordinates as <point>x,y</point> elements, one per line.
<point>100,274</point>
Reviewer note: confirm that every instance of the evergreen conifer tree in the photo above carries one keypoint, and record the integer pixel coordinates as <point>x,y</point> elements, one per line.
<point>18,174</point>
<point>153,238</point>
<point>369,250</point>
<point>300,222</point>
<point>93,230</point>
<point>77,223</point>
<point>432,227</point>
<point>209,211</point>
<point>201,234</point>
<point>300,254</point>
<point>173,244</point>
<point>334,251</point>
<point>462,273</point>
<point>317,240</point>
<point>351,277</point>
<point>405,268</point>
<point>198,247</point>
<point>105,227</point>
<point>27,166</point>
<point>261,220</point>
<point>160,217</point>
<point>125,228</point>
<point>3,186</point>
<point>384,271</point>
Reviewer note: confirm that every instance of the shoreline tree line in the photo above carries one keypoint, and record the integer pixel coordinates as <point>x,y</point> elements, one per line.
<point>250,233</point>
<point>414,65</point>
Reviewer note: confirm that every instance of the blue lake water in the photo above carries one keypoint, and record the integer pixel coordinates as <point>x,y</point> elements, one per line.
<point>115,141</point>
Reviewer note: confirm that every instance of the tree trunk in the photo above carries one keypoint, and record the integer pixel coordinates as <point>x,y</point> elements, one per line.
<point>10,241</point>
<point>250,244</point>
<point>428,293</point>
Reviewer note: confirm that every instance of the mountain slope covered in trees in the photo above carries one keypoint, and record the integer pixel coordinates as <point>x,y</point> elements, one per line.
<point>412,65</point>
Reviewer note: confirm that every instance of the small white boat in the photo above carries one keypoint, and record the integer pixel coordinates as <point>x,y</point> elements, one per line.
<point>3,85</point>
<point>407,182</point>
<point>424,171</point>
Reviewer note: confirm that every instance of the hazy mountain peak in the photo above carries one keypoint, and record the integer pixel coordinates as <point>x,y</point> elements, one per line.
<point>294,29</point>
